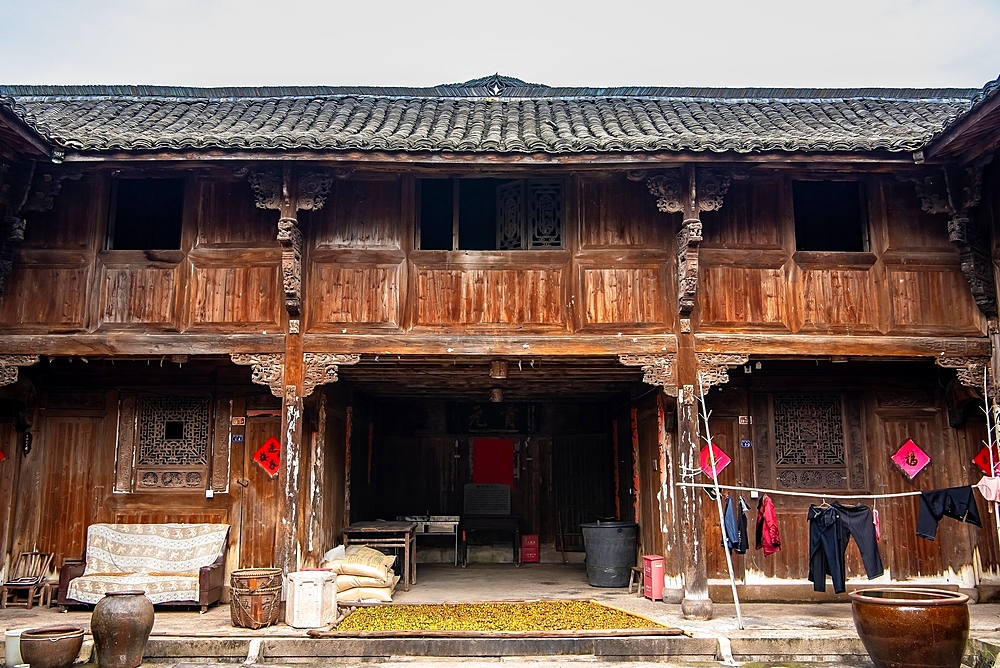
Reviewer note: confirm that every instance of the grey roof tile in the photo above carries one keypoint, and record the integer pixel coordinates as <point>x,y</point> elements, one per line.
<point>492,115</point>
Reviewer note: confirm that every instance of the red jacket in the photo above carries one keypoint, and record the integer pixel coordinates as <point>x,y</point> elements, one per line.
<point>767,527</point>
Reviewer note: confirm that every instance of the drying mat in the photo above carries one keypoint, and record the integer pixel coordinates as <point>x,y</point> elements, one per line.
<point>551,617</point>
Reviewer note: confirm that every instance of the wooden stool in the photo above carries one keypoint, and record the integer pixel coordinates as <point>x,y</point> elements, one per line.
<point>632,579</point>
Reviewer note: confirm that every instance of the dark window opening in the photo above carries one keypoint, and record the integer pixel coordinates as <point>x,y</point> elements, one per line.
<point>173,431</point>
<point>830,216</point>
<point>146,214</point>
<point>490,214</point>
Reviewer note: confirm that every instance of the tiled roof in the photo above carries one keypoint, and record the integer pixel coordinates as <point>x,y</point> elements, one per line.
<point>491,115</point>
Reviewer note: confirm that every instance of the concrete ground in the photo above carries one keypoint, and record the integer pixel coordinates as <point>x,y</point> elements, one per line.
<point>820,634</point>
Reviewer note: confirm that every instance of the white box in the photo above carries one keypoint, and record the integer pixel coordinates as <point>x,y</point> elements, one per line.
<point>312,599</point>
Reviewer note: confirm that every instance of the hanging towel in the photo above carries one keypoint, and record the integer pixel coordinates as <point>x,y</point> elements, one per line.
<point>955,502</point>
<point>767,534</point>
<point>989,487</point>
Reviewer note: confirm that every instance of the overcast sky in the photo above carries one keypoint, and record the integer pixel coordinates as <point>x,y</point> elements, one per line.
<point>769,43</point>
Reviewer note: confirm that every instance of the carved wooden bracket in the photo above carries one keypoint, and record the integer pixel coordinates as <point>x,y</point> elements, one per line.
<point>713,368</point>
<point>656,370</point>
<point>971,371</point>
<point>290,239</point>
<point>690,192</point>
<point>9,365</point>
<point>276,188</point>
<point>268,369</point>
<point>955,192</point>
<point>321,368</point>
<point>269,189</point>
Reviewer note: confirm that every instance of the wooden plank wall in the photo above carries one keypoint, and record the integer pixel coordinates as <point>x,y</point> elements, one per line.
<point>896,406</point>
<point>615,272</point>
<point>753,279</point>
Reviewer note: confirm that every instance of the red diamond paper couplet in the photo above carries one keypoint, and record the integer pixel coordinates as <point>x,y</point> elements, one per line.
<point>721,460</point>
<point>910,459</point>
<point>269,456</point>
<point>982,460</point>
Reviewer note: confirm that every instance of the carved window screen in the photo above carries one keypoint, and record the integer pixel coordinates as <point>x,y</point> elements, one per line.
<point>809,441</point>
<point>530,214</point>
<point>164,443</point>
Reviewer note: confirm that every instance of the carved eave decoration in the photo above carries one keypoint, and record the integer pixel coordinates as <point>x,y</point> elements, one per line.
<point>321,368</point>
<point>689,192</point>
<point>268,369</point>
<point>278,189</point>
<point>971,372</point>
<point>9,365</point>
<point>956,192</point>
<point>713,368</point>
<point>656,370</point>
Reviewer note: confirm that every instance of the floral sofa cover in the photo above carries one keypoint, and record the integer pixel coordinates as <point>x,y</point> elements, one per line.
<point>172,563</point>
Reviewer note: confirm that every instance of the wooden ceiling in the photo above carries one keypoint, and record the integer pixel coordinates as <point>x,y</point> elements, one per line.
<point>469,378</point>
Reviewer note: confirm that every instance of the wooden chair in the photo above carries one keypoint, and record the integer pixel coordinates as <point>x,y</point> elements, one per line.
<point>28,575</point>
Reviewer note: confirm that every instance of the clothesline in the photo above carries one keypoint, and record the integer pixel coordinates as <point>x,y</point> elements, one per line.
<point>814,495</point>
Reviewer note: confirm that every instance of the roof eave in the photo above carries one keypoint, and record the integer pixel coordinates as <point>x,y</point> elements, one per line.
<point>31,142</point>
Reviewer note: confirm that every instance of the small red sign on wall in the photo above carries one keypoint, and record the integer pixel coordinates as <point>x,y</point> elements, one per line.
<point>269,456</point>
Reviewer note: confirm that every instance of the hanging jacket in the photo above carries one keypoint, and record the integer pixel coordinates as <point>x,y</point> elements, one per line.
<point>732,538</point>
<point>768,538</point>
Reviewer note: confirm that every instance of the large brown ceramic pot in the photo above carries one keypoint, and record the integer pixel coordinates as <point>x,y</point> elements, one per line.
<point>912,628</point>
<point>51,646</point>
<point>121,624</point>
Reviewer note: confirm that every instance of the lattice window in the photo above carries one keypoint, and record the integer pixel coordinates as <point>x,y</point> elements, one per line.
<point>174,431</point>
<point>815,443</point>
<point>545,214</point>
<point>808,430</point>
<point>510,216</point>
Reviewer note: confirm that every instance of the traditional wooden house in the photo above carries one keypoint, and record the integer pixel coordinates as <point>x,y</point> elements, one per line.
<point>380,283</point>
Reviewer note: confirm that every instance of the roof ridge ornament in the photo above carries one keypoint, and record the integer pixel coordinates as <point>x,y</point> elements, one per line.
<point>494,84</point>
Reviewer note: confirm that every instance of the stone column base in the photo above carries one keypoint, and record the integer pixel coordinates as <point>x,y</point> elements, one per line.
<point>697,608</point>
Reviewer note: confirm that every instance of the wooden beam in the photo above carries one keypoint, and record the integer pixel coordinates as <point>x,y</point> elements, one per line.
<point>392,161</point>
<point>29,137</point>
<point>789,345</point>
<point>139,344</point>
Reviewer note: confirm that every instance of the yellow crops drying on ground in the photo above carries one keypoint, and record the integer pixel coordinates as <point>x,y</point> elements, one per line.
<point>534,616</point>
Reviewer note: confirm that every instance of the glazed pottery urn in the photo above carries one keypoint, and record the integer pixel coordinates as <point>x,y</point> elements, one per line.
<point>912,628</point>
<point>121,624</point>
<point>51,646</point>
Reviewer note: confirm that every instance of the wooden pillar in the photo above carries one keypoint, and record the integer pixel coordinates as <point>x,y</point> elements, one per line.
<point>696,603</point>
<point>290,477</point>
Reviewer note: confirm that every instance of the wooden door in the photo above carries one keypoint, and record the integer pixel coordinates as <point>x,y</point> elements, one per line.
<point>260,504</point>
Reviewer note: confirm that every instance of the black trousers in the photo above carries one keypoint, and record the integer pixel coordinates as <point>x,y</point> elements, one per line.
<point>830,529</point>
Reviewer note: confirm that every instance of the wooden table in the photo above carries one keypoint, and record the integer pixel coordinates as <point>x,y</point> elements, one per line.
<point>378,534</point>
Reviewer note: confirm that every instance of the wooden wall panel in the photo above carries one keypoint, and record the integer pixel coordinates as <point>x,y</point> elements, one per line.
<point>837,299</point>
<point>228,216</point>
<point>489,296</point>
<point>171,515</point>
<point>138,295</point>
<point>908,227</point>
<point>354,294</point>
<point>360,214</point>
<point>50,297</point>
<point>940,300</point>
<point>749,217</point>
<point>65,495</point>
<point>241,297</point>
<point>738,296</point>
<point>619,212</point>
<point>75,222</point>
<point>650,533</point>
<point>633,295</point>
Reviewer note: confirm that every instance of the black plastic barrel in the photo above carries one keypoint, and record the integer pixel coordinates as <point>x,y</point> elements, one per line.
<point>610,548</point>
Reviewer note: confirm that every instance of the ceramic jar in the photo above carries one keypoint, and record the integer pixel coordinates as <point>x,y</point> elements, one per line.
<point>912,628</point>
<point>121,624</point>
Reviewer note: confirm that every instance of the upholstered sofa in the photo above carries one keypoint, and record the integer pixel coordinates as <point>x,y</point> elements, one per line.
<point>175,564</point>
